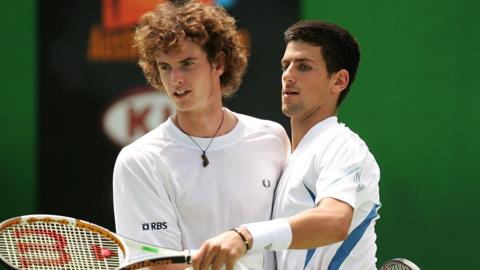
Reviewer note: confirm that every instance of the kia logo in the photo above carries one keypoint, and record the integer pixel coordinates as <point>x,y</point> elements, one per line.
<point>131,116</point>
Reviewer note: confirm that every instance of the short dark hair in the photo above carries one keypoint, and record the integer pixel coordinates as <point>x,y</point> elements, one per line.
<point>339,48</point>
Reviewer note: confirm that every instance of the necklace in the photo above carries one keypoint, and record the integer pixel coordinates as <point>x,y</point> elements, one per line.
<point>204,155</point>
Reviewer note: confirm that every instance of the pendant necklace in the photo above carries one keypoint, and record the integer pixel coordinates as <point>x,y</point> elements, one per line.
<point>204,155</point>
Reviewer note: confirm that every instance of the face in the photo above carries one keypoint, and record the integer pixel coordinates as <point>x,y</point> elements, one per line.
<point>307,88</point>
<point>189,79</point>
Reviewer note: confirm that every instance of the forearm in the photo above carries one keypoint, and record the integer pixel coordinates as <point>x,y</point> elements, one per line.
<point>325,224</point>
<point>318,227</point>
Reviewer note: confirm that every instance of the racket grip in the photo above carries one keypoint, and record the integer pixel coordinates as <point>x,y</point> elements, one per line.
<point>188,256</point>
<point>247,262</point>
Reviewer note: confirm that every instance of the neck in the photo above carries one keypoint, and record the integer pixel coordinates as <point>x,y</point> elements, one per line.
<point>301,125</point>
<point>205,124</point>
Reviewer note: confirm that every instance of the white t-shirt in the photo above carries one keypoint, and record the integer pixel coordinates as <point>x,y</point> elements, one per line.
<point>164,196</point>
<point>331,161</point>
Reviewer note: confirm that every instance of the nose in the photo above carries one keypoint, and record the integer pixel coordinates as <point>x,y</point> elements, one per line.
<point>176,77</point>
<point>288,75</point>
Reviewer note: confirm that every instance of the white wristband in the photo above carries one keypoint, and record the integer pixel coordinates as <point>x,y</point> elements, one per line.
<point>270,235</point>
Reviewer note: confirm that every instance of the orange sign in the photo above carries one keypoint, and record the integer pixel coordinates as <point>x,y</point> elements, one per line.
<point>125,13</point>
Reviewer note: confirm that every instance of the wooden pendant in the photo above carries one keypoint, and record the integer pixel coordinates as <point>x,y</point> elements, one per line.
<point>205,160</point>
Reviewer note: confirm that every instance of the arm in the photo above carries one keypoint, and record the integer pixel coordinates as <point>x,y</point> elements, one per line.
<point>326,224</point>
<point>142,207</point>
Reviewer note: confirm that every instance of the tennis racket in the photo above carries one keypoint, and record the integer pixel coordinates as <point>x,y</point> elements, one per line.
<point>56,242</point>
<point>399,264</point>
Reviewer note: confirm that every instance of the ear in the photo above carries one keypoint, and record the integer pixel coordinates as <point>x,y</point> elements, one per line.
<point>218,63</point>
<point>340,80</point>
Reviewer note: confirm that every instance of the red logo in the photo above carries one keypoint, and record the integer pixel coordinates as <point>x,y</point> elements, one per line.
<point>102,253</point>
<point>125,13</point>
<point>132,116</point>
<point>29,251</point>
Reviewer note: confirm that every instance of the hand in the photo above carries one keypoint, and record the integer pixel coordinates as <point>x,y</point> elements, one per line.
<point>225,248</point>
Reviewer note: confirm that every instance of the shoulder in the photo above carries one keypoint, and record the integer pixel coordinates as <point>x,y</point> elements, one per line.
<point>147,147</point>
<point>132,158</point>
<point>346,135</point>
<point>136,163</point>
<point>342,141</point>
<point>255,124</point>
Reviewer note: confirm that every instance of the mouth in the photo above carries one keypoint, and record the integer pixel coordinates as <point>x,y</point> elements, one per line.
<point>289,92</point>
<point>181,93</point>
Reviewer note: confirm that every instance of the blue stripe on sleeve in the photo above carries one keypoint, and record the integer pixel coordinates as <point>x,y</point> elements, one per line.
<point>352,240</point>
<point>311,251</point>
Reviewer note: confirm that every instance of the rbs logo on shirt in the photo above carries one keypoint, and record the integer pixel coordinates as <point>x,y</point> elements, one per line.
<point>154,226</point>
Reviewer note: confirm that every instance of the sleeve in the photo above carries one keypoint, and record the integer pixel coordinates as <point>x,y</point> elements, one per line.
<point>287,147</point>
<point>142,207</point>
<point>280,132</point>
<point>339,169</point>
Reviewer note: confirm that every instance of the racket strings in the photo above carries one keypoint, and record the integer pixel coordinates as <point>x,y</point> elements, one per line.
<point>54,245</point>
<point>8,249</point>
<point>396,266</point>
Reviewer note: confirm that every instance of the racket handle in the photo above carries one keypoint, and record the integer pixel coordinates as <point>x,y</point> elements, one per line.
<point>246,262</point>
<point>188,255</point>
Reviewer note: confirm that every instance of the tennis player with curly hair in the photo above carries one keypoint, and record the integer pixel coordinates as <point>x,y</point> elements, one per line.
<point>205,169</point>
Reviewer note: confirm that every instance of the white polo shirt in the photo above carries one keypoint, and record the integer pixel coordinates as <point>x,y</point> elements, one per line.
<point>164,196</point>
<point>331,161</point>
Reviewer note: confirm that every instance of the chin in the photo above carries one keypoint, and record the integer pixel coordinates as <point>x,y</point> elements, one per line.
<point>286,111</point>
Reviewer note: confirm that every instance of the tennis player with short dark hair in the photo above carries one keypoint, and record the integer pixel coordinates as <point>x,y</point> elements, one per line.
<point>206,169</point>
<point>327,199</point>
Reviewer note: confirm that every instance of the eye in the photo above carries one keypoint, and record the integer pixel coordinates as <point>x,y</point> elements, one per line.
<point>284,66</point>
<point>164,67</point>
<point>187,63</point>
<point>304,67</point>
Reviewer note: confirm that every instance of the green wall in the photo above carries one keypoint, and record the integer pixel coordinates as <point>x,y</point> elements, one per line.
<point>414,102</point>
<point>17,108</point>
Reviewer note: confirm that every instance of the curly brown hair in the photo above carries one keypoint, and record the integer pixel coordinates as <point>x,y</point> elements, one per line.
<point>164,28</point>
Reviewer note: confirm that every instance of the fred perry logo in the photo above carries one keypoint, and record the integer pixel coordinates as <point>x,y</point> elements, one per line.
<point>266,183</point>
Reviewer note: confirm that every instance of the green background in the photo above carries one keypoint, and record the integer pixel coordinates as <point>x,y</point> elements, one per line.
<point>413,102</point>
<point>17,107</point>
